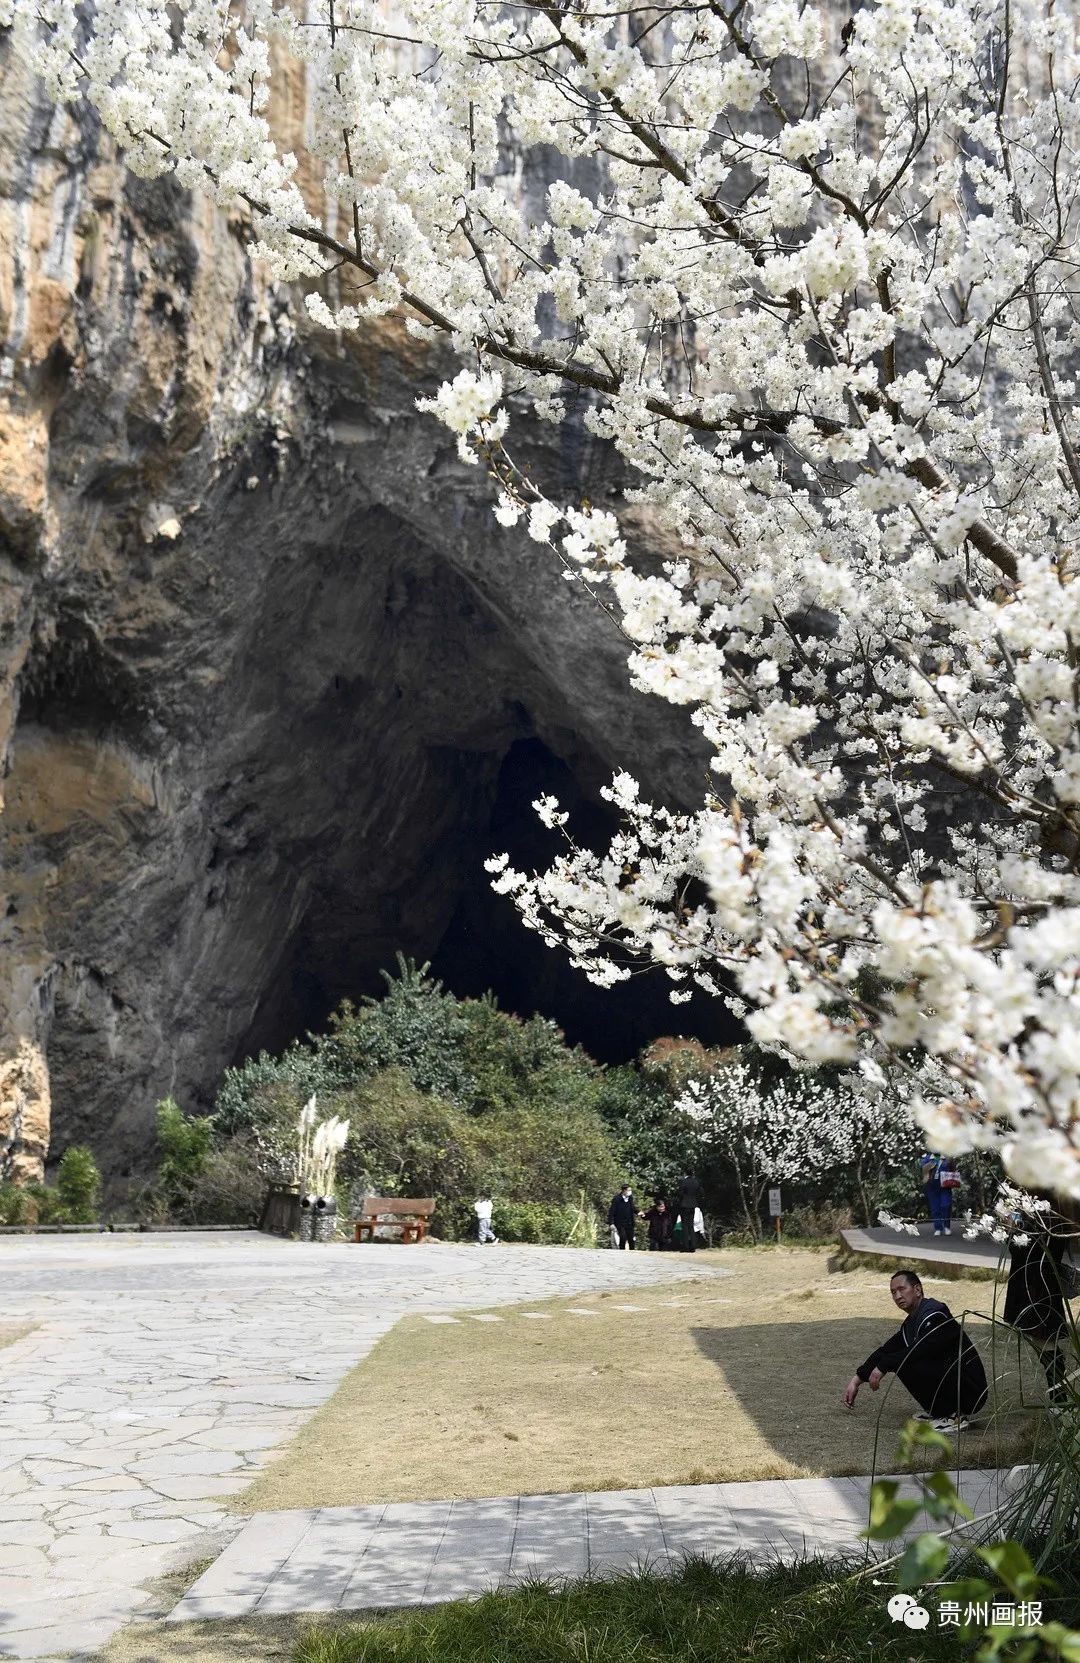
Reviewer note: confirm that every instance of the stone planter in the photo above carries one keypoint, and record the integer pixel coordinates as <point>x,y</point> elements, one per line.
<point>324,1214</point>
<point>307,1218</point>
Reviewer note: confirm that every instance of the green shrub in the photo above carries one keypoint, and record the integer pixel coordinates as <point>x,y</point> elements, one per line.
<point>31,1205</point>
<point>543,1221</point>
<point>403,1141</point>
<point>267,1093</point>
<point>229,1187</point>
<point>560,1224</point>
<point>466,1052</point>
<point>16,1204</point>
<point>815,1221</point>
<point>186,1142</point>
<point>902,1195</point>
<point>650,1140</point>
<point>531,1154</point>
<point>78,1185</point>
<point>416,1026</point>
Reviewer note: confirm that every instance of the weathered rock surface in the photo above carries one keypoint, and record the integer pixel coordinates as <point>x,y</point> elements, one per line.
<point>263,649</point>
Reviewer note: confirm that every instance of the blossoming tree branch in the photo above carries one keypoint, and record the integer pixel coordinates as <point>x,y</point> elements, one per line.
<point>814,273</point>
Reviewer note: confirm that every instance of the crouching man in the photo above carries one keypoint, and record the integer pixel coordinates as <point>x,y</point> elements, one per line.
<point>931,1355</point>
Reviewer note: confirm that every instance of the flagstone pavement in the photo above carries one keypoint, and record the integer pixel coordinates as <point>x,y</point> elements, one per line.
<point>167,1368</point>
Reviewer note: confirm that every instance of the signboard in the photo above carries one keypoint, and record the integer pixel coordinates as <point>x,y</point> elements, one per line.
<point>774,1204</point>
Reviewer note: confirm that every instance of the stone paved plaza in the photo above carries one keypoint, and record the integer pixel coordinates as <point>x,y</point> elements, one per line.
<point>166,1367</point>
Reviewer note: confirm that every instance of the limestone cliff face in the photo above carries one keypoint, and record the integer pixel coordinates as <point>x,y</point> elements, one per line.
<point>263,648</point>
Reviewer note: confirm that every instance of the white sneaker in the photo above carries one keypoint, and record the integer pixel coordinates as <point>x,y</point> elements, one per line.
<point>939,1232</point>
<point>950,1424</point>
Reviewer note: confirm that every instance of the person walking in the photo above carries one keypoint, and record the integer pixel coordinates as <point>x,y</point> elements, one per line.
<point>940,1178</point>
<point>687,1201</point>
<point>658,1219</point>
<point>483,1208</point>
<point>621,1216</point>
<point>931,1355</point>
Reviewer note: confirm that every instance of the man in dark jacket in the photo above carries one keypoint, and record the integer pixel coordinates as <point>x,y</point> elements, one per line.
<point>931,1355</point>
<point>621,1215</point>
<point>687,1200</point>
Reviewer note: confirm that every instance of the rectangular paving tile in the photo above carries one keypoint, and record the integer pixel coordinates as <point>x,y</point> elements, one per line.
<point>237,1580</point>
<point>317,1572</point>
<point>556,1558</point>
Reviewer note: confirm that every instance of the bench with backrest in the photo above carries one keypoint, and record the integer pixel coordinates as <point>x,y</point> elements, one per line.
<point>403,1212</point>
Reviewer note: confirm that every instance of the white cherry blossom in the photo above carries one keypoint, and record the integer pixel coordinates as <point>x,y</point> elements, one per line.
<point>812,275</point>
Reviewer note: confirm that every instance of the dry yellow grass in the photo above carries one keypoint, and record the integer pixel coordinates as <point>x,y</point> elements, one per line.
<point>243,1640</point>
<point>716,1380</point>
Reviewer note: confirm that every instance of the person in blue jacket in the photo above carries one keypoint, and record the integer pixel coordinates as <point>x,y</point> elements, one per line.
<point>931,1355</point>
<point>935,1168</point>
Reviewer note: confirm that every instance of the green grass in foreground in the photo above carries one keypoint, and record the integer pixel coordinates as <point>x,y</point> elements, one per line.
<point>706,1613</point>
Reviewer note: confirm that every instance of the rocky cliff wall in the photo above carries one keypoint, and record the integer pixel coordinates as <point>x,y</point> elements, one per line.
<point>263,648</point>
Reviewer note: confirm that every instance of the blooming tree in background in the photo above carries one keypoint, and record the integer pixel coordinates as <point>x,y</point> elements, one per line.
<point>814,275</point>
<point>790,1131</point>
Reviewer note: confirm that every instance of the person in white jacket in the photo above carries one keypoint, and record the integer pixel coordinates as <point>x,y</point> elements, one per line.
<point>482,1208</point>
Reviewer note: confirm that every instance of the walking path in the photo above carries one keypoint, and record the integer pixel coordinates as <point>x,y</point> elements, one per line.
<point>980,1254</point>
<point>166,1369</point>
<point>420,1553</point>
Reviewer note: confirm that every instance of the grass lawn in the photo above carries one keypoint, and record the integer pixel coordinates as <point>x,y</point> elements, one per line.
<point>707,1613</point>
<point>734,1378</point>
<point>809,1613</point>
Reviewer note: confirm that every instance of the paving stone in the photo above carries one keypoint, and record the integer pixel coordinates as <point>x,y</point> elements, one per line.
<point>165,1370</point>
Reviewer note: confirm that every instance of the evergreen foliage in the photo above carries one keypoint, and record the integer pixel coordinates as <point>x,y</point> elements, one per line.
<point>78,1185</point>
<point>186,1142</point>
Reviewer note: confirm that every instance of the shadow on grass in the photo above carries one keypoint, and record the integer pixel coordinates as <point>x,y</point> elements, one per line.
<point>791,1386</point>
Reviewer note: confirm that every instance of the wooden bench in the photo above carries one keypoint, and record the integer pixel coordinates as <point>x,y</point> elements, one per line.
<point>405,1212</point>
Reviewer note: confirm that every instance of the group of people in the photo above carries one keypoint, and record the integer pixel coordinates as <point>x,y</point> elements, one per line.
<point>674,1223</point>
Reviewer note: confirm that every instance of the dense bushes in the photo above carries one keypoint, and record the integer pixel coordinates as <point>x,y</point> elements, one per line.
<point>560,1224</point>
<point>444,1097</point>
<point>73,1200</point>
<point>452,1097</point>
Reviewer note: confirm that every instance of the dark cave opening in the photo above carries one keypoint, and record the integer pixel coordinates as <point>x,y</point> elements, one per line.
<point>477,942</point>
<point>487,946</point>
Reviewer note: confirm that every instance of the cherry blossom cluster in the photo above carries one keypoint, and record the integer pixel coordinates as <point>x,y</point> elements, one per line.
<point>793,1129</point>
<point>812,274</point>
<point>1016,1214</point>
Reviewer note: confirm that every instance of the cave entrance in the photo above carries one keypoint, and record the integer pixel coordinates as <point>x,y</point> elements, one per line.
<point>487,946</point>
<point>474,938</point>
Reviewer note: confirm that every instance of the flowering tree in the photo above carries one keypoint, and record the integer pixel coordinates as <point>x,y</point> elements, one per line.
<point>766,1134</point>
<point>814,277</point>
<point>876,1135</point>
